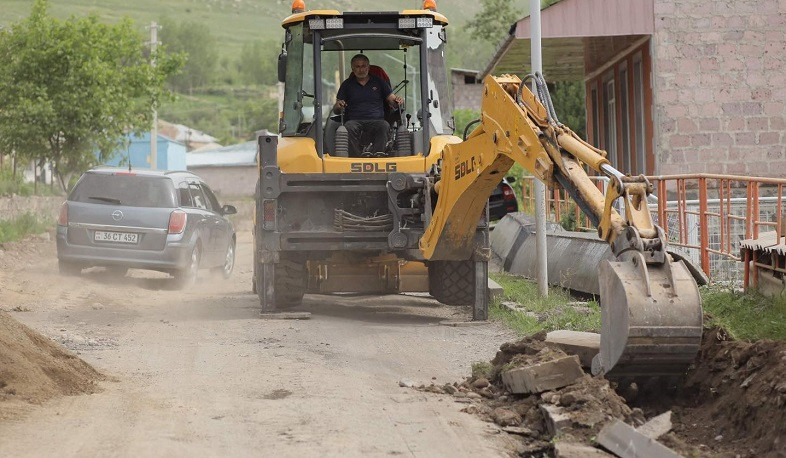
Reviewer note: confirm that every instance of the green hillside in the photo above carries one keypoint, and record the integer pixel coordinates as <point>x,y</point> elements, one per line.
<point>232,22</point>
<point>225,106</point>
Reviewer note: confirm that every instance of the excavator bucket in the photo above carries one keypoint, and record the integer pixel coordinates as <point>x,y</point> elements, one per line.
<point>651,318</point>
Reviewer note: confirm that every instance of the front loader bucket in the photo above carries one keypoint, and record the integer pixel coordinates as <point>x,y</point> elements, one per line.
<point>651,318</point>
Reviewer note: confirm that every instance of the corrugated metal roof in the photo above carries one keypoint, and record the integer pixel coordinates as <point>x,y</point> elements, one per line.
<point>766,242</point>
<point>242,154</point>
<point>569,31</point>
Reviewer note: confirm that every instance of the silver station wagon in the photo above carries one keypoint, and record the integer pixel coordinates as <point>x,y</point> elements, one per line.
<point>164,221</point>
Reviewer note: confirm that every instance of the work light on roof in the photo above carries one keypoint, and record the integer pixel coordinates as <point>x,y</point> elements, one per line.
<point>425,22</point>
<point>316,23</point>
<point>415,23</point>
<point>430,5</point>
<point>407,23</point>
<point>298,6</point>
<point>334,23</point>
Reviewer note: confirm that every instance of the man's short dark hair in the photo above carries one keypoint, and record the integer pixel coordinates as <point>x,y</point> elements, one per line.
<point>358,56</point>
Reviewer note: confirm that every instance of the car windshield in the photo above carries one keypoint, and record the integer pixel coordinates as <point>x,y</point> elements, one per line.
<point>126,190</point>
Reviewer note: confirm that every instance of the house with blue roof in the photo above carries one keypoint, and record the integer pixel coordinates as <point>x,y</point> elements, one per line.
<point>170,154</point>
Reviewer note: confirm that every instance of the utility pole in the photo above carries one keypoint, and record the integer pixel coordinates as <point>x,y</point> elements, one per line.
<point>540,188</point>
<point>154,131</point>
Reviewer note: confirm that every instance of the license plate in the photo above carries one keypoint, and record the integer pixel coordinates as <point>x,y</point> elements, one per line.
<point>117,237</point>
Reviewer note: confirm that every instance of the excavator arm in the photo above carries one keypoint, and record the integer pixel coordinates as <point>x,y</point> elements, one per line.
<point>651,315</point>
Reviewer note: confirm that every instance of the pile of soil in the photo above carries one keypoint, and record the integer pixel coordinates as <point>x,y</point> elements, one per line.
<point>732,402</point>
<point>34,369</point>
<point>734,397</point>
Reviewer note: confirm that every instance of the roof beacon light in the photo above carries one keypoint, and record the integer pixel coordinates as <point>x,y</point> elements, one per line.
<point>298,6</point>
<point>430,5</point>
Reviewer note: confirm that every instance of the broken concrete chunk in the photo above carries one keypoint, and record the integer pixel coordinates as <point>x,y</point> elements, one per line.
<point>543,376</point>
<point>481,383</point>
<point>656,426</point>
<point>519,430</point>
<point>569,450</point>
<point>505,417</point>
<point>585,345</point>
<point>746,383</point>
<point>624,441</point>
<point>450,389</point>
<point>556,418</point>
<point>512,306</point>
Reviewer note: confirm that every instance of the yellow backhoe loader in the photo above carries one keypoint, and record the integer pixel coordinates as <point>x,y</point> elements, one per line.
<point>412,217</point>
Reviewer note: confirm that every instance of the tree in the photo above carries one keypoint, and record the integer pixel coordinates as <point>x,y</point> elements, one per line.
<point>258,62</point>
<point>493,20</point>
<point>569,103</point>
<point>69,89</point>
<point>195,41</point>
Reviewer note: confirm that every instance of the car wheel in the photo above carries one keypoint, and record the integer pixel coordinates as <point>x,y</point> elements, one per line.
<point>188,275</point>
<point>229,262</point>
<point>67,268</point>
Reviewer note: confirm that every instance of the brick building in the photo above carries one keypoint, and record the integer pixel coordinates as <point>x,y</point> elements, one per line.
<point>672,86</point>
<point>467,89</point>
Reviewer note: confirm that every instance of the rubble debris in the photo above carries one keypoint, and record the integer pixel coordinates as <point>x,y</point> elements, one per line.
<point>585,345</point>
<point>572,450</point>
<point>557,420</point>
<point>543,376</point>
<point>656,426</point>
<point>710,402</point>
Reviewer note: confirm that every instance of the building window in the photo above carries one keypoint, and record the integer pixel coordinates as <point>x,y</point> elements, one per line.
<point>469,79</point>
<point>625,119</point>
<point>638,110</point>
<point>609,120</point>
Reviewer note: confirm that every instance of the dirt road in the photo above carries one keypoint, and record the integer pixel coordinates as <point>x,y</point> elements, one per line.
<point>199,373</point>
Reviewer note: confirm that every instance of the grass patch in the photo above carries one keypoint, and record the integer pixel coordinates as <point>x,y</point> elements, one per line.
<point>21,226</point>
<point>546,314</point>
<point>745,316</point>
<point>10,185</point>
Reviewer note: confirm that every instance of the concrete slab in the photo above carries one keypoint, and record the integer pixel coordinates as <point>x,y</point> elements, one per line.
<point>548,375</point>
<point>624,441</point>
<point>285,315</point>
<point>495,290</point>
<point>570,450</point>
<point>585,345</point>
<point>556,418</point>
<point>656,426</point>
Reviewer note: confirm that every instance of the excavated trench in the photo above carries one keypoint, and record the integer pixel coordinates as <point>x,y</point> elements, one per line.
<point>732,401</point>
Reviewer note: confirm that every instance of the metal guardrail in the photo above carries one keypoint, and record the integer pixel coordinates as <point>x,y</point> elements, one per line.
<point>704,215</point>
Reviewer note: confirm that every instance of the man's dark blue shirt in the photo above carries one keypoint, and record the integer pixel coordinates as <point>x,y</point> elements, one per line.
<point>364,101</point>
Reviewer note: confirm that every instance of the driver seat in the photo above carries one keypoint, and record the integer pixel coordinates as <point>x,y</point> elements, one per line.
<point>391,116</point>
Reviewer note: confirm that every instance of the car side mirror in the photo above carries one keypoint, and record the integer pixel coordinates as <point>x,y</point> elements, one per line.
<point>282,66</point>
<point>228,210</point>
<point>511,179</point>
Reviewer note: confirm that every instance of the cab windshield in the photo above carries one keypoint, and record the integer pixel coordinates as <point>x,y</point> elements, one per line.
<point>399,55</point>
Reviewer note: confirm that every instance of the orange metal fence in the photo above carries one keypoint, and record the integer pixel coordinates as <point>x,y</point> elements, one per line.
<point>705,215</point>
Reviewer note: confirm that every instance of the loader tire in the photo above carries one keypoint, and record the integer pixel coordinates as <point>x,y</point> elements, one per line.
<point>290,283</point>
<point>452,282</point>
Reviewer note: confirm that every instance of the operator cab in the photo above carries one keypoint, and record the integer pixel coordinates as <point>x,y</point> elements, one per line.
<point>406,47</point>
